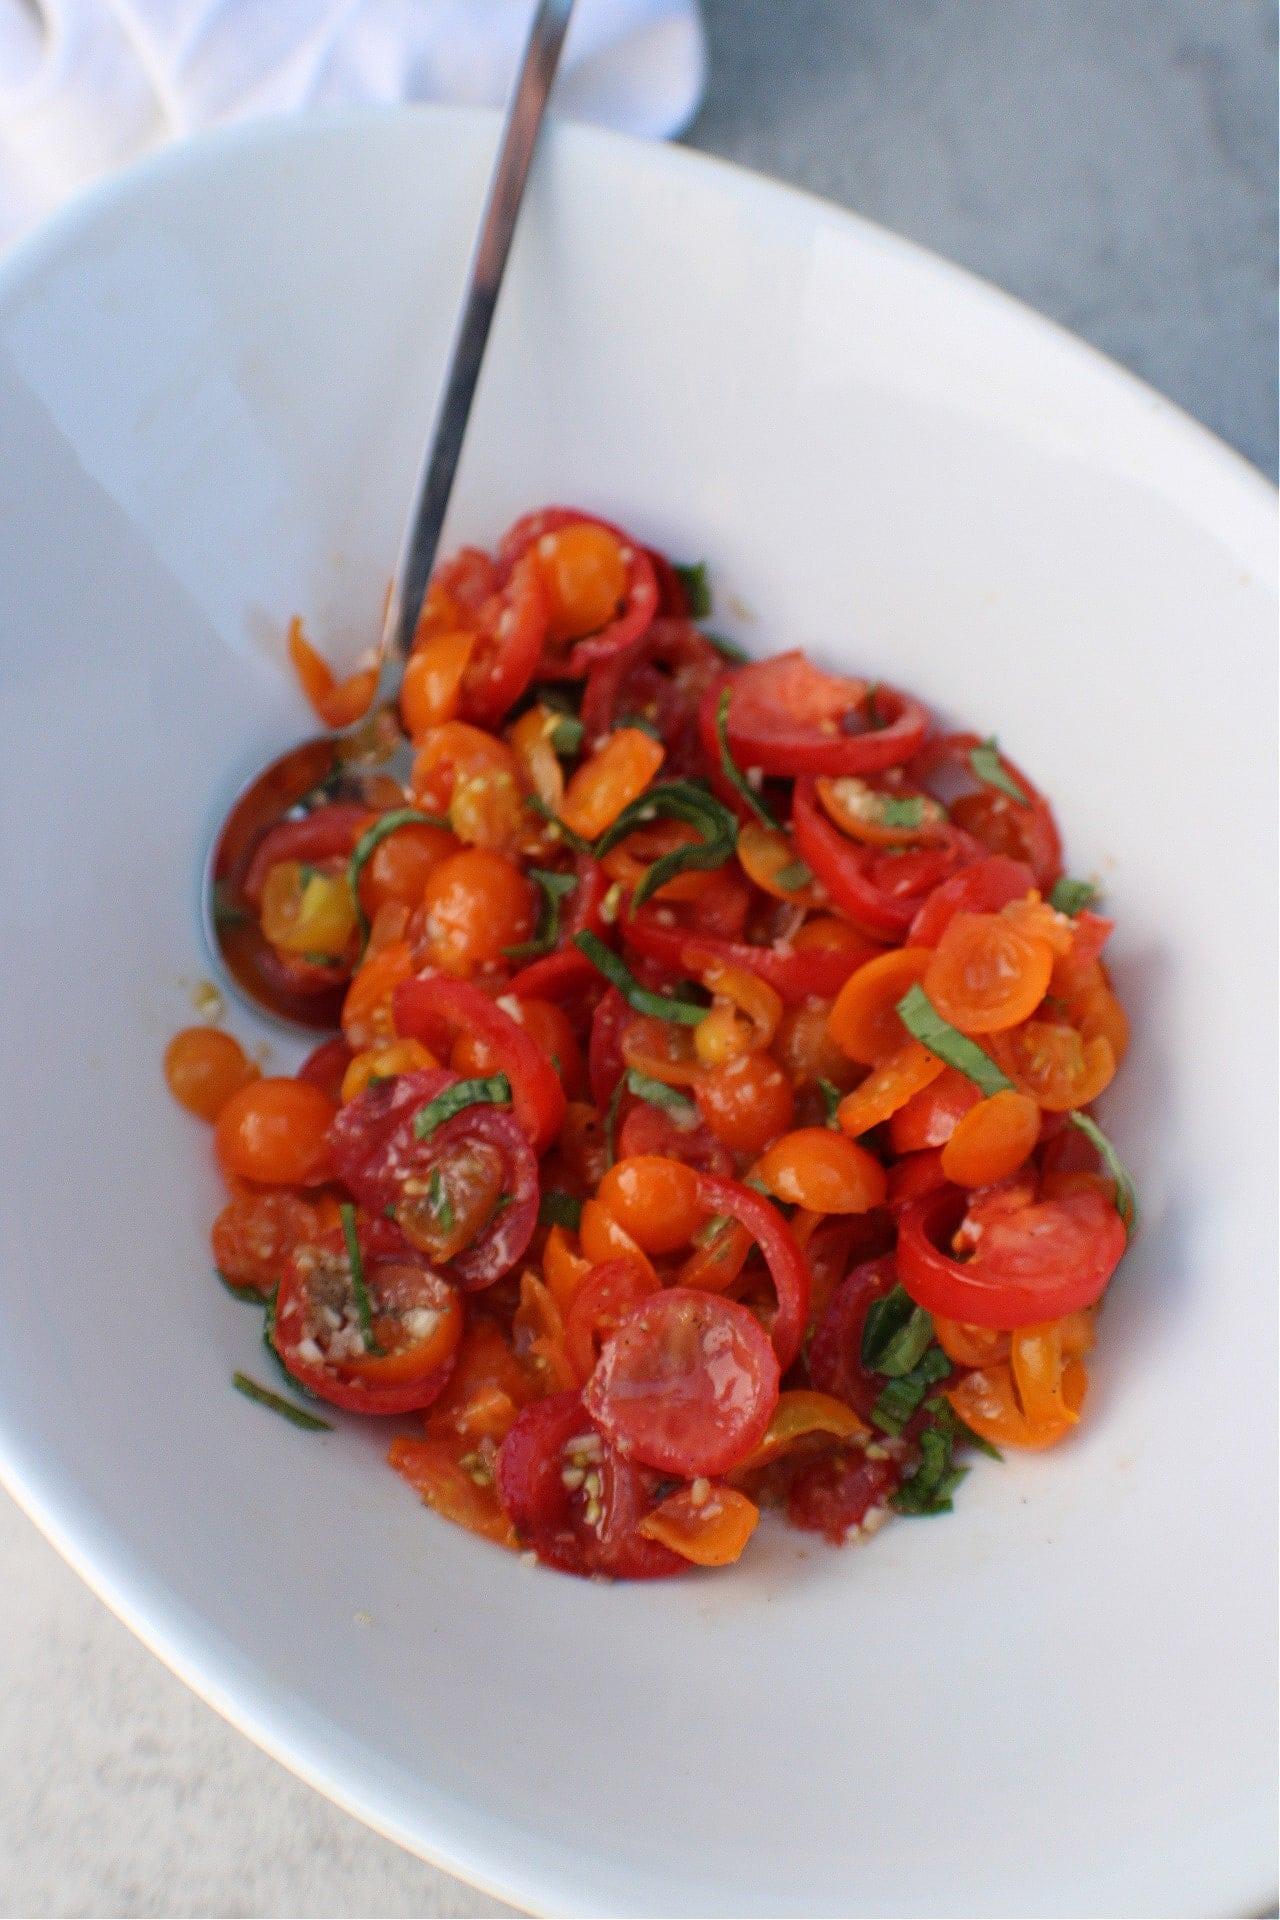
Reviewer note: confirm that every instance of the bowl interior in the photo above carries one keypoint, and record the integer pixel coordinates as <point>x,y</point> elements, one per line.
<point>214,380</point>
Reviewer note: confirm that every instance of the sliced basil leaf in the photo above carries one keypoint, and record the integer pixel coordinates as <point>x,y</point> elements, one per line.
<point>900,1398</point>
<point>364,1311</point>
<point>727,649</point>
<point>696,582</point>
<point>831,1098</point>
<point>552,889</point>
<point>902,810</point>
<point>793,876</point>
<point>1069,896</point>
<point>495,1091</point>
<point>619,974</point>
<point>685,800</point>
<point>438,1201</point>
<point>566,734</point>
<point>611,1121</point>
<point>986,765</point>
<point>372,838</point>
<point>641,721</point>
<point>1126,1192</point>
<point>659,1094</point>
<point>943,1411</point>
<point>895,1334</point>
<point>921,1018</point>
<point>559,1209</point>
<point>265,1398</point>
<point>730,768</point>
<point>930,1487</point>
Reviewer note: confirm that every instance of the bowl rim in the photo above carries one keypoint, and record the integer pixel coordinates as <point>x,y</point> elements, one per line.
<point>123,1581</point>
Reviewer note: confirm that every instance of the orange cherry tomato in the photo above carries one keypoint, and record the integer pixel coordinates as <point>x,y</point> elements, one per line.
<point>661,1050</point>
<point>986,974</point>
<point>826,934</point>
<point>1052,1062</point>
<point>747,1103</point>
<point>928,1119</point>
<point>615,775</point>
<point>986,1400</point>
<point>275,1132</point>
<point>474,779</point>
<point>879,816</point>
<point>654,1200</point>
<point>204,1068</point>
<point>382,1063</point>
<point>744,1015</point>
<point>705,1523</point>
<point>563,1269</point>
<point>455,1478</point>
<point>256,1232</point>
<point>367,1018</point>
<point>824,1172</point>
<point>476,905</point>
<point>769,858</point>
<point>585,577</point>
<point>970,1346</point>
<point>864,1019</point>
<point>432,689</point>
<point>485,1391</point>
<point>398,867</point>
<point>549,1028</point>
<point>888,1087</point>
<point>531,741</point>
<point>603,1238</point>
<point>537,1333</point>
<point>991,1140</point>
<point>805,1049</point>
<point>339,703</point>
<point>800,1412</point>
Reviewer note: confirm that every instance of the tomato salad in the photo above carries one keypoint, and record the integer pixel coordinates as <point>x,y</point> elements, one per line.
<point>709,1126</point>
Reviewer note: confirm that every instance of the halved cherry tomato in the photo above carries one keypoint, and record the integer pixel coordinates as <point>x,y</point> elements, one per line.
<point>431,692</point>
<point>255,1234</point>
<point>326,1065</point>
<point>801,1413</point>
<point>485,1391</point>
<point>585,578</point>
<point>880,890</point>
<point>455,1479</point>
<point>474,780</point>
<point>835,1351</point>
<point>511,628</point>
<point>915,1175</point>
<point>382,1063</point>
<point>538,1336</point>
<point>1032,1260</point>
<point>836,1494</point>
<point>708,1525</point>
<point>881,815</point>
<point>788,717</point>
<point>823,1172</point>
<point>888,1087</point>
<point>687,1383</point>
<point>864,1020</point>
<point>604,1298</point>
<point>367,1017</point>
<point>616,774</point>
<point>992,1140</point>
<point>275,1132</point>
<point>929,1117</point>
<point>768,858</point>
<point>400,864</point>
<point>1032,1399</point>
<point>605,1239</point>
<point>337,703</point>
<point>746,1103</point>
<point>1052,1062</point>
<point>788,1268</point>
<point>204,1067</point>
<point>986,974</point>
<point>575,1498</point>
<point>1022,830</point>
<point>796,975</point>
<point>641,597</point>
<point>416,1323</point>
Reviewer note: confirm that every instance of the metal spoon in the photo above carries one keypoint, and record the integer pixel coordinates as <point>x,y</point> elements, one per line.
<point>359,763</point>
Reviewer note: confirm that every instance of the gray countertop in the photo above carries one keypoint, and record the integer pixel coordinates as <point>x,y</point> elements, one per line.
<point>1111,162</point>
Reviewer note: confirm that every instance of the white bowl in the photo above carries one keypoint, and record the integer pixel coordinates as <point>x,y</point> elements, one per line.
<point>213,382</point>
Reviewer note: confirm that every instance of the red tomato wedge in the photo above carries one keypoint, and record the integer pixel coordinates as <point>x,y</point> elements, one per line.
<point>1033,1259</point>
<point>686,1383</point>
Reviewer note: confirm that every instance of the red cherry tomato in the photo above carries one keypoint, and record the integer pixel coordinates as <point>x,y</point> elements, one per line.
<point>788,1268</point>
<point>880,891</point>
<point>833,1495</point>
<point>427,1009</point>
<point>641,595</point>
<point>512,628</point>
<point>788,717</point>
<point>575,1499</point>
<point>326,1065</point>
<point>835,1352</point>
<point>984,887</point>
<point>687,1383</point>
<point>798,974</point>
<point>416,1323</point>
<point>1033,1259</point>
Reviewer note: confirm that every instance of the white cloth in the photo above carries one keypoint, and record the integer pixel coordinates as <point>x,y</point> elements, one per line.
<point>86,85</point>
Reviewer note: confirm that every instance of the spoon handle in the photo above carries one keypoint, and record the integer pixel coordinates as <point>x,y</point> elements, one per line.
<point>444,444</point>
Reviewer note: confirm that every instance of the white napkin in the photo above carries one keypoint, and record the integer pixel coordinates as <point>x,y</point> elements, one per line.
<point>86,85</point>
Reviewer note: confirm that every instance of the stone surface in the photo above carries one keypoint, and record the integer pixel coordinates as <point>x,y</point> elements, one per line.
<point>1113,163</point>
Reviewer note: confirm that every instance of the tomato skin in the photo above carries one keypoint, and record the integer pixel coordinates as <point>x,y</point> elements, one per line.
<point>326,833</point>
<point>512,628</point>
<point>647,1129</point>
<point>785,716</point>
<point>787,1265</point>
<point>600,1302</point>
<point>834,1494</point>
<point>325,1066</point>
<point>641,601</point>
<point>984,887</point>
<point>274,1132</point>
<point>424,1008</point>
<point>559,1522</point>
<point>929,1117</point>
<point>687,1383</point>
<point>835,1352</point>
<point>1050,1258</point>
